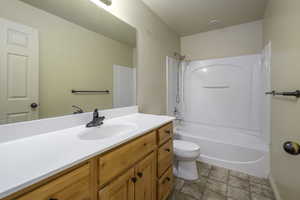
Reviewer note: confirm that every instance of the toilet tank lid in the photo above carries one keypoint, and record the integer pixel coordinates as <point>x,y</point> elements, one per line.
<point>185,146</point>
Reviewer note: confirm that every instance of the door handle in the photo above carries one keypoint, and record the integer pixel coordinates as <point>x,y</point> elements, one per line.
<point>292,148</point>
<point>34,105</point>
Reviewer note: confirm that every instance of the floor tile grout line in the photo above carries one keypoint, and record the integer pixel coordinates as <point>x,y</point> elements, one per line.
<point>248,184</point>
<point>205,186</point>
<point>250,193</point>
<point>219,181</point>
<point>227,184</point>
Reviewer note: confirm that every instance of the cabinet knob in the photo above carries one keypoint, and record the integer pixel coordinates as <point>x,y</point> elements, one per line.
<point>167,179</point>
<point>140,174</point>
<point>168,150</point>
<point>134,179</point>
<point>168,132</point>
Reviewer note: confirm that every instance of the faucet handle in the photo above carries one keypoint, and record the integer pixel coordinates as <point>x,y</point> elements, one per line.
<point>102,118</point>
<point>96,114</point>
<point>78,109</point>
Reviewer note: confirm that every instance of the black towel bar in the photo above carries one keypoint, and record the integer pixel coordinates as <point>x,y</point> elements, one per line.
<point>90,91</point>
<point>295,93</point>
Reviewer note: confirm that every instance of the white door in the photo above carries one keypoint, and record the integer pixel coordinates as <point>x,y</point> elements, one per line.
<point>124,89</point>
<point>19,72</point>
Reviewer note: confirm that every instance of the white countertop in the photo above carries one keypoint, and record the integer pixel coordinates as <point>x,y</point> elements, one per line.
<point>29,160</point>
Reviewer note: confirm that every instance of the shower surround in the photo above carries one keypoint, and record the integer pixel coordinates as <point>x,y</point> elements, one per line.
<point>223,109</point>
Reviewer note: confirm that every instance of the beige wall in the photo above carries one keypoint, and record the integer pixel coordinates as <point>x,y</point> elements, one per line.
<point>231,41</point>
<point>155,42</point>
<point>71,57</point>
<point>282,27</point>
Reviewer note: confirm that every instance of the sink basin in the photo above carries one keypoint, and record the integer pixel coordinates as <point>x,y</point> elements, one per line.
<point>106,131</point>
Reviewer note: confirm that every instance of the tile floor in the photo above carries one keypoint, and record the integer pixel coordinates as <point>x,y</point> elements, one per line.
<point>217,183</point>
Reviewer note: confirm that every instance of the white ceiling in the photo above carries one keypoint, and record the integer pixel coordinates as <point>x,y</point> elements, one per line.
<point>188,17</point>
<point>88,15</point>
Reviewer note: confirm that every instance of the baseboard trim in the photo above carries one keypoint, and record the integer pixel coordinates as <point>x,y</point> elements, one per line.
<point>275,188</point>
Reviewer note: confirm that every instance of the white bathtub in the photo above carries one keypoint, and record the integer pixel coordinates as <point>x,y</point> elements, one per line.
<point>229,148</point>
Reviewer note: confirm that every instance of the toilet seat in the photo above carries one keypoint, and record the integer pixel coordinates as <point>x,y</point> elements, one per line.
<point>184,150</point>
<point>185,146</point>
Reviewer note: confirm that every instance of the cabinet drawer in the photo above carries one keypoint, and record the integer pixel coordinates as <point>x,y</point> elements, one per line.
<point>165,133</point>
<point>165,157</point>
<point>72,186</point>
<point>165,185</point>
<point>120,159</point>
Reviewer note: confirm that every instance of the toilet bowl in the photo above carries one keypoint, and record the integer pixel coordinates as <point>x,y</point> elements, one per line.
<point>186,154</point>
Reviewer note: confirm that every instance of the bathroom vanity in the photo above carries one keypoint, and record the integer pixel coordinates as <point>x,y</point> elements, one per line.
<point>135,165</point>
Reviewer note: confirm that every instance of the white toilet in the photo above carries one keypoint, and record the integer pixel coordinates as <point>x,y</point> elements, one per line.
<point>186,154</point>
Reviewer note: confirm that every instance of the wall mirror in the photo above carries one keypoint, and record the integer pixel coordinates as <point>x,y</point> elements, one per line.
<point>55,54</point>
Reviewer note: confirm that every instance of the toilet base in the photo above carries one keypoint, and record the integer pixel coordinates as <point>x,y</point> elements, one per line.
<point>186,170</point>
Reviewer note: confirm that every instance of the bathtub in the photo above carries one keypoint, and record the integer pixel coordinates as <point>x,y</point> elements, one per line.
<point>234,149</point>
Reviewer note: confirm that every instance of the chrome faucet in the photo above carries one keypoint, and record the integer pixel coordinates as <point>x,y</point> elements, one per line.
<point>97,120</point>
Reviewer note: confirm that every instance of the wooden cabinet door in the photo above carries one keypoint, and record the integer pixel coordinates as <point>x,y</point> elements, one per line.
<point>72,186</point>
<point>165,184</point>
<point>121,188</point>
<point>145,171</point>
<point>119,160</point>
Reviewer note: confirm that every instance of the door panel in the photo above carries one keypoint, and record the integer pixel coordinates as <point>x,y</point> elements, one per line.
<point>18,117</point>
<point>18,38</point>
<point>120,189</point>
<point>145,188</point>
<point>19,71</point>
<point>17,76</point>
